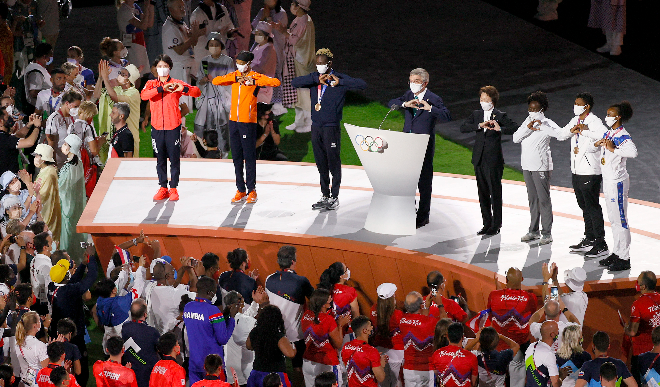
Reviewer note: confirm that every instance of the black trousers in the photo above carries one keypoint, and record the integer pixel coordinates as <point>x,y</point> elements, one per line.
<point>167,144</point>
<point>587,193</point>
<point>243,142</point>
<point>326,144</point>
<point>489,186</point>
<point>425,184</point>
<point>79,341</point>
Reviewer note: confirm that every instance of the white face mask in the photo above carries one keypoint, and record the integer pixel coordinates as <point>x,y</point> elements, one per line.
<point>416,87</point>
<point>610,121</point>
<point>242,68</point>
<point>163,71</point>
<point>215,50</point>
<point>577,109</point>
<point>71,60</point>
<point>348,274</point>
<point>10,110</point>
<point>214,299</point>
<point>536,115</point>
<point>259,39</point>
<point>124,52</point>
<point>486,106</point>
<point>322,68</point>
<point>73,112</point>
<point>121,79</point>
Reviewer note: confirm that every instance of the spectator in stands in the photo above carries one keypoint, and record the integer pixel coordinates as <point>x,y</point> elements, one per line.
<point>540,362</point>
<point>589,374</point>
<point>216,18</point>
<point>418,329</point>
<point>268,134</point>
<point>344,297</point>
<point>323,337</point>
<point>66,330</point>
<point>6,44</point>
<point>167,372</point>
<point>643,318</point>
<point>289,291</point>
<point>49,100</point>
<point>551,311</point>
<point>365,366</point>
<point>576,300</point>
<point>132,22</point>
<point>571,356</point>
<point>82,127</point>
<point>211,263</point>
<point>36,76</point>
<point>56,357</point>
<point>111,373</point>
<point>436,282</point>
<point>510,311</point>
<point>33,355</point>
<point>385,318</point>
<point>10,144</point>
<point>236,278</point>
<point>214,374</point>
<point>270,345</point>
<point>207,327</point>
<point>75,55</point>
<point>649,368</point>
<point>453,365</point>
<point>164,294</point>
<point>58,123</point>
<point>210,142</point>
<point>71,184</point>
<point>72,72</point>
<point>140,341</point>
<point>265,57</point>
<point>493,364</point>
<point>40,271</point>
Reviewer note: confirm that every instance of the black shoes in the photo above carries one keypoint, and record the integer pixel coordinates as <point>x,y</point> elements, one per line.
<point>419,223</point>
<point>619,265</point>
<point>493,231</point>
<point>609,260</point>
<point>584,245</point>
<point>483,231</point>
<point>598,250</point>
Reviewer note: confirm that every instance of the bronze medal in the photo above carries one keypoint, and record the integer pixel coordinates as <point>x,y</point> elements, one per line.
<point>602,160</point>
<point>317,107</point>
<point>576,150</point>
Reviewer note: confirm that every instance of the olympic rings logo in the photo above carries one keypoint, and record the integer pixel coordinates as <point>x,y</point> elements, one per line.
<point>371,144</point>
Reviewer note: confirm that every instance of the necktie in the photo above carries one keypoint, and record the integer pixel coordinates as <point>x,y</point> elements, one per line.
<point>415,110</point>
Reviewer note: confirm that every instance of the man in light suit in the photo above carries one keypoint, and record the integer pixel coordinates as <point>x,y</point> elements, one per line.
<point>489,124</point>
<point>422,110</point>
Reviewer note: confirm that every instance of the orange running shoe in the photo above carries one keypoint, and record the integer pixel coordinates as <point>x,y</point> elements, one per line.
<point>174,195</point>
<point>252,197</point>
<point>239,197</point>
<point>161,194</point>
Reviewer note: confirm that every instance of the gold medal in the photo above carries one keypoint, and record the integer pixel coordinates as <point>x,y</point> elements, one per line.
<point>602,160</point>
<point>317,107</point>
<point>576,150</point>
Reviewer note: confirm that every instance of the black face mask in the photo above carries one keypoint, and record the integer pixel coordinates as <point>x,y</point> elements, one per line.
<point>9,122</point>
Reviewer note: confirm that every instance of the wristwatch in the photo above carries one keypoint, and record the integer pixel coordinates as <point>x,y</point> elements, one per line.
<point>564,310</point>
<point>135,242</point>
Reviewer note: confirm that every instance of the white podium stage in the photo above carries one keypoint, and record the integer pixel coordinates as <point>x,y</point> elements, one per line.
<point>393,161</point>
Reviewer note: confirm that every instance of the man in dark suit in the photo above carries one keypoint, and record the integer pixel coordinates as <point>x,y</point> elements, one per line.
<point>489,124</point>
<point>422,110</point>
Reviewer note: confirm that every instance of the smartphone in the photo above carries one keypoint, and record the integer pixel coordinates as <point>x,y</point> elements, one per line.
<point>85,245</point>
<point>104,134</point>
<point>434,291</point>
<point>554,292</point>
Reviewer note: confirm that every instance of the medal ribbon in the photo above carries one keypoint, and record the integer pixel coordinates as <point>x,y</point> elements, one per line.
<point>321,91</point>
<point>608,137</point>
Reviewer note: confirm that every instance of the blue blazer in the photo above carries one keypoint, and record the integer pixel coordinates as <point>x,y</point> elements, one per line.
<point>424,122</point>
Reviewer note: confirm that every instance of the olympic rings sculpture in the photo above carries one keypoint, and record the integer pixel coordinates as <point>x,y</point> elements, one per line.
<point>371,144</point>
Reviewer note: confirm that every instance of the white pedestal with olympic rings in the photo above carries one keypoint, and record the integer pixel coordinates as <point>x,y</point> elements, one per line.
<point>393,162</point>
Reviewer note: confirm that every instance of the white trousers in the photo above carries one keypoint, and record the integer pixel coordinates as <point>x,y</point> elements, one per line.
<point>616,201</point>
<point>312,369</point>
<point>414,378</point>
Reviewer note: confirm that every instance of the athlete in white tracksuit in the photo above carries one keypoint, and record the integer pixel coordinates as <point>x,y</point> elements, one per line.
<point>616,147</point>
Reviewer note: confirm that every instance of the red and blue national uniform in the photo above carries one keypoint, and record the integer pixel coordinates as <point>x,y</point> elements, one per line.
<point>360,359</point>
<point>417,333</point>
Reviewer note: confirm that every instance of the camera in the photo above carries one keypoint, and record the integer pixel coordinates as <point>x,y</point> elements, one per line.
<point>12,239</point>
<point>85,245</point>
<point>554,292</point>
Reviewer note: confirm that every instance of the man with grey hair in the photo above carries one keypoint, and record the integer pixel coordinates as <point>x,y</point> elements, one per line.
<point>423,110</point>
<point>121,144</point>
<point>417,329</point>
<point>140,343</point>
<point>551,311</point>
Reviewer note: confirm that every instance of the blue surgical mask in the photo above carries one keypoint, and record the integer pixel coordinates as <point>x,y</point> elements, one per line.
<point>49,61</point>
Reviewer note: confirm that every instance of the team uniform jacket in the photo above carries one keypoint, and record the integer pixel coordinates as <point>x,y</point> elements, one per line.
<point>211,381</point>
<point>167,373</point>
<point>586,161</point>
<point>244,98</point>
<point>614,170</point>
<point>43,377</point>
<point>417,331</point>
<point>111,374</point>
<point>165,113</point>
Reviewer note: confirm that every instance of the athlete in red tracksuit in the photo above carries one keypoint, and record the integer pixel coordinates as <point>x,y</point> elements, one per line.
<point>111,373</point>
<point>167,372</point>
<point>215,376</point>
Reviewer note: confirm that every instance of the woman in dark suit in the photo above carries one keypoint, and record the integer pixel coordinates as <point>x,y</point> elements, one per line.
<point>489,124</point>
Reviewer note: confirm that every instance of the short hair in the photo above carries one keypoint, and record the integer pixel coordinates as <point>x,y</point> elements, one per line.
<point>492,92</point>
<point>77,49</point>
<point>114,346</point>
<point>211,363</point>
<point>601,341</point>
<point>210,259</point>
<point>68,67</point>
<point>421,72</point>
<point>414,306</point>
<point>42,50</point>
<point>324,52</point>
<point>38,227</point>
<point>587,98</point>
<point>138,309</point>
<point>58,375</point>
<point>455,332</point>
<point>87,110</point>
<point>6,372</point>
<point>56,255</point>
<point>272,380</point>
<point>211,138</point>
<point>23,293</point>
<point>206,285</point>
<point>358,323</point>
<point>325,379</point>
<point>649,279</point>
<point>232,297</point>
<point>625,110</point>
<point>488,339</point>
<point>286,256</point>
<point>14,227</point>
<point>71,96</point>
<point>5,272</point>
<point>434,279</point>
<point>66,326</point>
<point>236,258</point>
<point>164,57</point>
<point>105,287</point>
<point>57,71</point>
<point>551,308</point>
<point>55,350</point>
<point>540,97</point>
<point>40,241</point>
<point>123,108</point>
<point>608,371</point>
<point>166,343</point>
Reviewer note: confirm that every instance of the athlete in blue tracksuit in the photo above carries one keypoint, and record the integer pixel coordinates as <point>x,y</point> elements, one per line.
<point>208,329</point>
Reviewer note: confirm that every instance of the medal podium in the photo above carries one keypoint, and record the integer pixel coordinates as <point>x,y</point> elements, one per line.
<point>393,162</point>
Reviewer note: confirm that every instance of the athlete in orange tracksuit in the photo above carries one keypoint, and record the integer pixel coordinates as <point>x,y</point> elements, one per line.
<point>163,94</point>
<point>245,85</point>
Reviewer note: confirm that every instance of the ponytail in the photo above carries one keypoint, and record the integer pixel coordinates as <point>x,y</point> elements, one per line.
<point>28,321</point>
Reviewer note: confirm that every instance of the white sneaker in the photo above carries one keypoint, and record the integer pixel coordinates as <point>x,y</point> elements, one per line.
<point>616,50</point>
<point>303,129</point>
<point>278,109</point>
<point>291,127</point>
<point>604,48</point>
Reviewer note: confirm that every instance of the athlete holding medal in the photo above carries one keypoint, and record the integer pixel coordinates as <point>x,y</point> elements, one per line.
<point>616,147</point>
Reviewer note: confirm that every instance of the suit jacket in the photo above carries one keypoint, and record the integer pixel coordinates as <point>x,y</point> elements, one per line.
<point>424,122</point>
<point>488,143</point>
